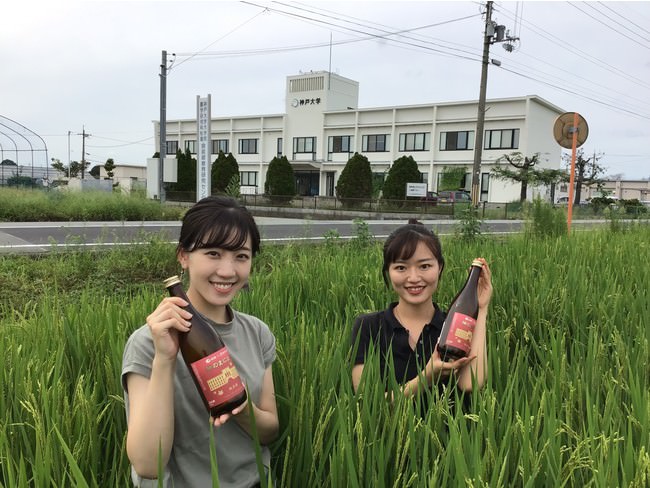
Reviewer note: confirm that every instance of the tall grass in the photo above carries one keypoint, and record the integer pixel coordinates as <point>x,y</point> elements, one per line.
<point>567,402</point>
<point>42,206</point>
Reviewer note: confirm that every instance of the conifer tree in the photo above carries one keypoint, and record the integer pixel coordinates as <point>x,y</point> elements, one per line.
<point>280,180</point>
<point>223,170</point>
<point>355,183</point>
<point>404,170</point>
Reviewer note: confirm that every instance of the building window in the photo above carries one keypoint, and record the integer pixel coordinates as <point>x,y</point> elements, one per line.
<point>191,145</point>
<point>457,141</point>
<point>339,144</point>
<point>374,143</point>
<point>220,145</point>
<point>248,178</point>
<point>302,145</point>
<point>172,147</point>
<point>247,146</point>
<point>279,147</point>
<point>416,141</point>
<point>502,139</point>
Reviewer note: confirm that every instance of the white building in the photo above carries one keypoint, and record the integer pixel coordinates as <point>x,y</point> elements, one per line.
<point>322,127</point>
<point>128,177</point>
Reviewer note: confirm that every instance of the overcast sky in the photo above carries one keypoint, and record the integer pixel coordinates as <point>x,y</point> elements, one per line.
<point>70,66</point>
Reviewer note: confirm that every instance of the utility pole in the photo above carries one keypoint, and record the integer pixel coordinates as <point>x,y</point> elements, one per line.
<point>163,127</point>
<point>83,150</point>
<point>69,132</point>
<point>493,33</point>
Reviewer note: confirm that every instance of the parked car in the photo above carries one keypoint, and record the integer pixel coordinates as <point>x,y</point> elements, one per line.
<point>430,199</point>
<point>459,196</point>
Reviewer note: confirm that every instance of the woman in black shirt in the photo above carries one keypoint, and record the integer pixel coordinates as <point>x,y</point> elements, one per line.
<point>409,329</point>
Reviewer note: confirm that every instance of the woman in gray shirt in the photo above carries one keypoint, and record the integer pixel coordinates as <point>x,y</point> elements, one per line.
<point>167,419</point>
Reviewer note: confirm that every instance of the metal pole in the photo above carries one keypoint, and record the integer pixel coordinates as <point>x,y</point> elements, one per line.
<point>480,117</point>
<point>574,145</point>
<point>83,150</point>
<point>69,132</point>
<point>162,126</point>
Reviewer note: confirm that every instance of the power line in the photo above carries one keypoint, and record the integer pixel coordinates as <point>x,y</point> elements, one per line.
<point>605,23</point>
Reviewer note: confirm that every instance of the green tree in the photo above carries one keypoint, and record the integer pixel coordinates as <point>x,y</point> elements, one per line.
<point>109,166</point>
<point>451,178</point>
<point>233,188</point>
<point>72,171</point>
<point>404,170</point>
<point>551,177</point>
<point>223,170</point>
<point>587,172</point>
<point>94,171</point>
<point>522,170</point>
<point>280,182</point>
<point>7,162</point>
<point>185,172</point>
<point>355,182</point>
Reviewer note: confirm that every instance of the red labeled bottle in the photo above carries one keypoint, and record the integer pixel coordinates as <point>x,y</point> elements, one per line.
<point>458,328</point>
<point>208,360</point>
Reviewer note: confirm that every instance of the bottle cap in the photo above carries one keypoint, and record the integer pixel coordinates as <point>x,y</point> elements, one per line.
<point>172,280</point>
<point>478,263</point>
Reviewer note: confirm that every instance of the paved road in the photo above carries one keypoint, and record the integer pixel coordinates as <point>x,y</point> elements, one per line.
<point>25,237</point>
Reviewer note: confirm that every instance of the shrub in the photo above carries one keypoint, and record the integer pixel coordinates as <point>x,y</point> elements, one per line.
<point>355,182</point>
<point>404,170</point>
<point>224,169</point>
<point>280,181</point>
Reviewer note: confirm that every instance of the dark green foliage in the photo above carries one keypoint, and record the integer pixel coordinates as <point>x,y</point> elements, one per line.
<point>18,180</point>
<point>109,166</point>
<point>94,171</point>
<point>469,225</point>
<point>280,180</point>
<point>544,221</point>
<point>633,206</point>
<point>404,170</point>
<point>452,178</point>
<point>223,170</point>
<point>355,182</point>
<point>185,173</point>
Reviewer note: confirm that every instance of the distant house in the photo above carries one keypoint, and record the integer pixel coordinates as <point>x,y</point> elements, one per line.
<point>128,176</point>
<point>618,189</point>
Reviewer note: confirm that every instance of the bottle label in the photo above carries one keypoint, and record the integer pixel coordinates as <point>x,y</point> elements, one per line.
<point>461,331</point>
<point>218,377</point>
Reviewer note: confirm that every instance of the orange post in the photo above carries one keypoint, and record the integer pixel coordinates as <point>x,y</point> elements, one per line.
<point>573,167</point>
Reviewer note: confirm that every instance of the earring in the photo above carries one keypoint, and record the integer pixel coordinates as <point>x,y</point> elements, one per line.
<point>182,273</point>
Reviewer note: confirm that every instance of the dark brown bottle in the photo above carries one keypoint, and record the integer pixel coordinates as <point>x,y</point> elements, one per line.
<point>458,328</point>
<point>208,360</point>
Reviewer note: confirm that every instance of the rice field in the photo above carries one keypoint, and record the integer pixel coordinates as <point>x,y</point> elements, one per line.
<point>567,402</point>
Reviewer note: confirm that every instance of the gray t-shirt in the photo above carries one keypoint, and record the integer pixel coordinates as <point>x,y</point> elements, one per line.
<point>251,345</point>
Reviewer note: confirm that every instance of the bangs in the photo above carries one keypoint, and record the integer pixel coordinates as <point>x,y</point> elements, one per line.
<point>403,247</point>
<point>229,237</point>
<point>224,229</point>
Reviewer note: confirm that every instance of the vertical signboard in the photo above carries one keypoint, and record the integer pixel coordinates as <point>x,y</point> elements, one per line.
<point>203,176</point>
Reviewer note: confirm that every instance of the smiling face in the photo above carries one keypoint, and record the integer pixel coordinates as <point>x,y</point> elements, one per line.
<point>415,279</point>
<point>216,275</point>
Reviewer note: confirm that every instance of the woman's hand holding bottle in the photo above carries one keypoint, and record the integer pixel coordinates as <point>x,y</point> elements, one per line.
<point>165,322</point>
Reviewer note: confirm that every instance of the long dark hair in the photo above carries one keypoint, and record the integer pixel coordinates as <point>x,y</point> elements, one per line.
<point>403,241</point>
<point>218,221</point>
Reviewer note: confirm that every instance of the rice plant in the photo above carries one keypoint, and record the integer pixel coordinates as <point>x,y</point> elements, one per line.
<point>567,402</point>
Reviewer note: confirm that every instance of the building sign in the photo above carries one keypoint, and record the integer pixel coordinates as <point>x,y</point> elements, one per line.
<point>305,101</point>
<point>416,189</point>
<point>203,175</point>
